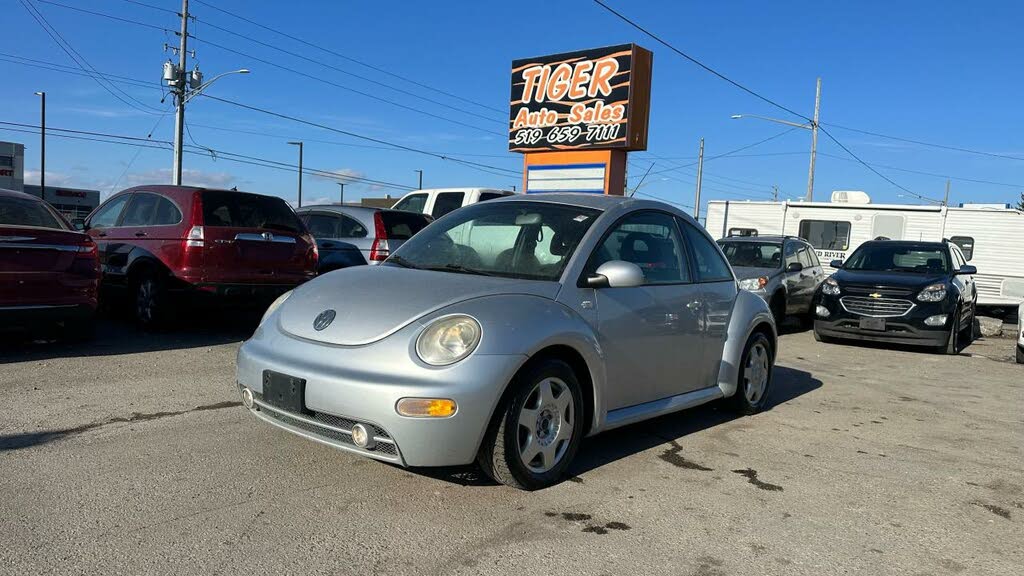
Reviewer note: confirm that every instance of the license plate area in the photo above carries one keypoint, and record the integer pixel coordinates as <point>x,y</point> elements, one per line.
<point>283,391</point>
<point>872,324</point>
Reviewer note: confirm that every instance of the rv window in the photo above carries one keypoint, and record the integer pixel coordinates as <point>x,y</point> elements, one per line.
<point>826,234</point>
<point>742,232</point>
<point>889,226</point>
<point>966,243</point>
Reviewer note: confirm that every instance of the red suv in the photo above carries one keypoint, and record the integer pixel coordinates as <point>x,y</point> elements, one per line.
<point>159,243</point>
<point>49,273</point>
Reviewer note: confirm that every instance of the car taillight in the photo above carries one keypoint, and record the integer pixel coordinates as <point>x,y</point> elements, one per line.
<point>195,238</point>
<point>87,249</point>
<point>380,250</point>
<point>314,252</point>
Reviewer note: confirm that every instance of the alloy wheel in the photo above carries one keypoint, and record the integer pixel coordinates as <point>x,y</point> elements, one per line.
<point>546,423</point>
<point>755,376</point>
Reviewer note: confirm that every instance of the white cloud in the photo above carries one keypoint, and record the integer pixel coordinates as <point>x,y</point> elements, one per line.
<point>52,179</point>
<point>346,175</point>
<point>312,202</point>
<point>189,177</point>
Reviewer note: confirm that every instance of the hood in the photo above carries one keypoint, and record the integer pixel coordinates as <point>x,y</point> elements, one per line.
<point>744,272</point>
<point>371,302</point>
<point>899,281</point>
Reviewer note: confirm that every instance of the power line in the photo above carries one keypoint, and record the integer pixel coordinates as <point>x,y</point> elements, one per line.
<point>168,10</point>
<point>347,58</point>
<point>53,67</point>
<point>729,153</point>
<point>923,173</point>
<point>929,144</point>
<point>467,163</point>
<point>699,63</point>
<point>110,16</point>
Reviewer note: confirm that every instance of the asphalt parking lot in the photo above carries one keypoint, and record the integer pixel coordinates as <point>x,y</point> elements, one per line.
<point>132,455</point>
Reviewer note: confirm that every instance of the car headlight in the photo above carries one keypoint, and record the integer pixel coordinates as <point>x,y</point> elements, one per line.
<point>275,305</point>
<point>830,287</point>
<point>448,340</point>
<point>753,283</point>
<point>933,293</point>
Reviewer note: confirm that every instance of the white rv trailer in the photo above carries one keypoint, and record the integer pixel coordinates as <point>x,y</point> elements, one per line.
<point>992,238</point>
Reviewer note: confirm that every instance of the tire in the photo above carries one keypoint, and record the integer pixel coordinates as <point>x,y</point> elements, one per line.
<point>1020,355</point>
<point>755,378</point>
<point>151,302</point>
<point>952,346</point>
<point>531,423</point>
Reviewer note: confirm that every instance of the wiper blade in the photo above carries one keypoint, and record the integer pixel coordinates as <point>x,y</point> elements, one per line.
<point>399,261</point>
<point>459,270</point>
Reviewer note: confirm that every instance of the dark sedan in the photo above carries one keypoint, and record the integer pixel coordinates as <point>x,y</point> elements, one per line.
<point>917,293</point>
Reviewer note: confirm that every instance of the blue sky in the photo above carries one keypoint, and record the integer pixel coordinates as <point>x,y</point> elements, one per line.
<point>939,71</point>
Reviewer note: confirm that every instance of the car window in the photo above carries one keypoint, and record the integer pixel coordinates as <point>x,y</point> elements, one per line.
<point>752,254</point>
<point>813,257</point>
<point>958,258</point>
<point>803,255</point>
<point>223,208</point>
<point>485,196</point>
<point>791,250</point>
<point>711,267</point>
<point>107,216</point>
<point>826,234</point>
<point>141,210</point>
<point>402,225</point>
<point>26,212</point>
<point>412,203</point>
<point>446,202</point>
<point>321,225</point>
<point>893,257</point>
<point>350,228</point>
<point>166,213</point>
<point>651,241</point>
<point>966,244</point>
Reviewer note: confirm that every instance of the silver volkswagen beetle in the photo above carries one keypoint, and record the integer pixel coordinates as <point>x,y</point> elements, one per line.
<point>507,331</point>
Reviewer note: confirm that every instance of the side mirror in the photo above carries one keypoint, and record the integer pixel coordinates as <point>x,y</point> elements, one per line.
<point>78,224</point>
<point>616,274</point>
<point>795,267</point>
<point>968,269</point>
<point>836,263</point>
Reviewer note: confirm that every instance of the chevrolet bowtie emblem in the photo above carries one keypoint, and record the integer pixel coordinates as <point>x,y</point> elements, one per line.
<point>875,295</point>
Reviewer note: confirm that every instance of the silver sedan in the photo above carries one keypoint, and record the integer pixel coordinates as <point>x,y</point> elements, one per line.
<point>506,332</point>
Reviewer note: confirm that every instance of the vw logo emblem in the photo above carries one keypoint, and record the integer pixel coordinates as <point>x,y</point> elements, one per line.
<point>324,319</point>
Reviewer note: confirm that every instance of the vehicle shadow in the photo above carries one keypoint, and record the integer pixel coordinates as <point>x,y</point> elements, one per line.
<point>788,383</point>
<point>116,335</point>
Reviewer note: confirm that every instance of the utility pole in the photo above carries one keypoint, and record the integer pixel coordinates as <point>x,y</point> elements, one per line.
<point>814,142</point>
<point>700,175</point>
<point>179,95</point>
<point>421,178</point>
<point>299,144</point>
<point>775,193</point>
<point>945,201</point>
<point>341,198</point>
<point>42,144</point>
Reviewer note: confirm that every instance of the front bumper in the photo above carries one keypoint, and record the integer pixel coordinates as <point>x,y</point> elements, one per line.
<point>908,329</point>
<point>362,384</point>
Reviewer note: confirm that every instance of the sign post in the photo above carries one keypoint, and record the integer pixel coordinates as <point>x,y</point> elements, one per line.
<point>575,115</point>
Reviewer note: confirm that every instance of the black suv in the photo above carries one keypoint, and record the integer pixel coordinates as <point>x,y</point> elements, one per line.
<point>918,293</point>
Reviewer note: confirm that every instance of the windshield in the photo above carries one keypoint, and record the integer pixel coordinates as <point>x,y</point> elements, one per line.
<point>753,254</point>
<point>899,258</point>
<point>531,240</point>
<point>24,212</point>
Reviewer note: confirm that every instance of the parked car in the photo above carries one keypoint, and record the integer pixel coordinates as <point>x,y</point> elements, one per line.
<point>440,201</point>
<point>784,270</point>
<point>160,244</point>
<point>509,330</point>
<point>357,235</point>
<point>49,273</point>
<point>1020,334</point>
<point>917,293</point>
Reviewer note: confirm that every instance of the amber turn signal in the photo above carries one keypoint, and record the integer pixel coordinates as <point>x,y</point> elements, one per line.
<point>426,407</point>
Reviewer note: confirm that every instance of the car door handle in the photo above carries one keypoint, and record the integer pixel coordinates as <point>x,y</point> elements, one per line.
<point>140,234</point>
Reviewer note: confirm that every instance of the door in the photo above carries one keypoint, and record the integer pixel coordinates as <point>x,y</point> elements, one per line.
<point>806,279</point>
<point>333,233</point>
<point>718,296</point>
<point>103,227</point>
<point>152,223</point>
<point>792,280</point>
<point>650,334</point>
<point>965,282</point>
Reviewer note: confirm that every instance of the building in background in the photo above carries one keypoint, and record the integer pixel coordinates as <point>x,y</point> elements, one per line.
<point>12,166</point>
<point>73,203</point>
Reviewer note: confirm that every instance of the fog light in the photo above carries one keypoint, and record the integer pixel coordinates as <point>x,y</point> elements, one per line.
<point>937,320</point>
<point>426,407</point>
<point>821,311</point>
<point>361,437</point>
<point>247,398</point>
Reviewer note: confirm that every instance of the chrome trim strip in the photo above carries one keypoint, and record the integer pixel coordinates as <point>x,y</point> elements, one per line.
<point>39,307</point>
<point>16,238</point>
<point>631,414</point>
<point>57,247</point>
<point>882,301</point>
<point>312,422</point>
<point>264,237</point>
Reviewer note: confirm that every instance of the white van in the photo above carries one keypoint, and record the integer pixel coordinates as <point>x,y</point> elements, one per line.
<point>440,201</point>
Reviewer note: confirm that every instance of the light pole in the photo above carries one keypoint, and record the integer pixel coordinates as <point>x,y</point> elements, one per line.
<point>700,178</point>
<point>341,197</point>
<point>42,144</point>
<point>299,144</point>
<point>181,97</point>
<point>812,126</point>
<point>420,172</point>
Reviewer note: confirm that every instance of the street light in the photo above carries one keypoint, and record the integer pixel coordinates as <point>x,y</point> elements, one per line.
<point>181,82</point>
<point>420,172</point>
<point>812,126</point>
<point>199,89</point>
<point>42,144</point>
<point>299,144</point>
<point>341,198</point>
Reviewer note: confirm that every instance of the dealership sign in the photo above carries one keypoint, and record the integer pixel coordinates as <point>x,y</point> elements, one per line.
<point>590,99</point>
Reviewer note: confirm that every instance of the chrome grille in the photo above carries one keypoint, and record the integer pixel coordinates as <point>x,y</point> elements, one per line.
<point>876,307</point>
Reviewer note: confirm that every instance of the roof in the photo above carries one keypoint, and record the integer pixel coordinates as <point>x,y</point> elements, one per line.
<point>5,193</point>
<point>597,201</point>
<point>931,243</point>
<point>349,209</point>
<point>769,238</point>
